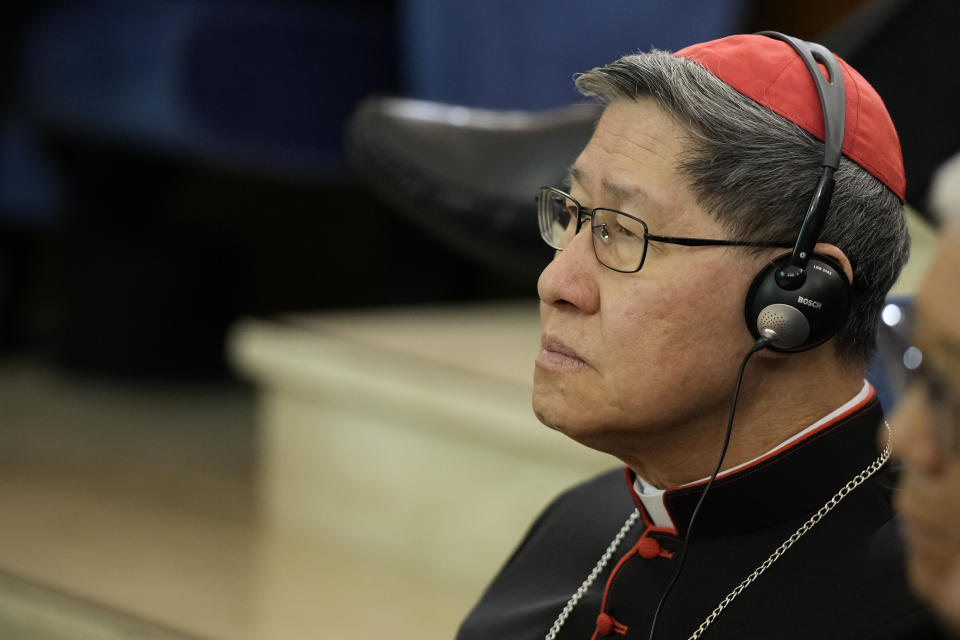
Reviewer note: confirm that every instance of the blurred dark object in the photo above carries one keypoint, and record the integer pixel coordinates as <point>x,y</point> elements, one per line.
<point>148,286</point>
<point>467,176</point>
<point>809,22</point>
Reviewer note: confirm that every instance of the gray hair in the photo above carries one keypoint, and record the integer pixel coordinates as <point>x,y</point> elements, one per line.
<point>755,171</point>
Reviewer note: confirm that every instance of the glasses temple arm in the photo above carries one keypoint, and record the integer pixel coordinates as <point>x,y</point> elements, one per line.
<point>701,242</point>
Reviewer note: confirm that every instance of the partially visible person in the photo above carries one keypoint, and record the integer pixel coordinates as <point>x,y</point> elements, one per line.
<point>927,424</point>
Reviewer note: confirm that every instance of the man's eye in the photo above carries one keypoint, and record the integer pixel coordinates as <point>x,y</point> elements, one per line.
<point>921,377</point>
<point>628,229</point>
<point>610,232</point>
<point>936,391</point>
<point>626,233</point>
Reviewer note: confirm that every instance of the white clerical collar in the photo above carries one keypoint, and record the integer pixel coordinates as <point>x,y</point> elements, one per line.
<point>652,498</point>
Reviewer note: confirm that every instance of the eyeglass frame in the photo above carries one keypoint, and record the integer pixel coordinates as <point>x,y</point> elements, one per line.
<point>583,213</point>
<point>941,399</point>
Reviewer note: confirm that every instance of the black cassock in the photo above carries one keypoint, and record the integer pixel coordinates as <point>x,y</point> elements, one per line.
<point>845,578</point>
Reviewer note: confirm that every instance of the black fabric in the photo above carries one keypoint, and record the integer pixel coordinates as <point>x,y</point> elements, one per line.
<point>844,579</point>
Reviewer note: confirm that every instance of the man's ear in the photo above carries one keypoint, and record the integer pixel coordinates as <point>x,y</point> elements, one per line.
<point>833,251</point>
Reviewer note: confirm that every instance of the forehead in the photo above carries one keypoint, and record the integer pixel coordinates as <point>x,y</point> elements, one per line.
<point>938,307</point>
<point>631,163</point>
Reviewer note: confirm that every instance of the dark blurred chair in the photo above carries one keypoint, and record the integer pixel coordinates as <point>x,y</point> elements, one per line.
<point>468,176</point>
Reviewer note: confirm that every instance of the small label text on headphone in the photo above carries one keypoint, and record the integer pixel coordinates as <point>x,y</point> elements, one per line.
<point>816,304</point>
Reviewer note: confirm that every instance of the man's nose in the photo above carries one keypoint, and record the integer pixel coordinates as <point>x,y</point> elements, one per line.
<point>571,277</point>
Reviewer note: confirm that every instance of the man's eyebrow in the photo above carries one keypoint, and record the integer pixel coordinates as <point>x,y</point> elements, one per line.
<point>620,192</point>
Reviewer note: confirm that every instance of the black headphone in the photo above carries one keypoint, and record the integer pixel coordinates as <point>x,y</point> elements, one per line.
<point>801,299</point>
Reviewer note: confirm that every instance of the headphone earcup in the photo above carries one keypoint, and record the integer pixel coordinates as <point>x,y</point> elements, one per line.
<point>803,318</point>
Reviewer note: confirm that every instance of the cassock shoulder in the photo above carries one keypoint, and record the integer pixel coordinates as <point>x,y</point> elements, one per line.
<point>557,552</point>
<point>581,517</point>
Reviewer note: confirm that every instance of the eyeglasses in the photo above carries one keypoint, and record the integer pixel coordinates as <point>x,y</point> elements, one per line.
<point>941,399</point>
<point>908,372</point>
<point>619,239</point>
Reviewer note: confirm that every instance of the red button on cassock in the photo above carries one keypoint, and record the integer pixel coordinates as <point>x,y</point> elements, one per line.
<point>648,548</point>
<point>604,624</point>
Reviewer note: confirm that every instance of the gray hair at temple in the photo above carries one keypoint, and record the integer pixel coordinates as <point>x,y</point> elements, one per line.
<point>755,171</point>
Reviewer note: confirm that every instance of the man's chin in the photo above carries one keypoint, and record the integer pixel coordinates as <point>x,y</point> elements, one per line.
<point>547,414</point>
<point>553,412</point>
<point>565,420</point>
<point>924,578</point>
<point>928,565</point>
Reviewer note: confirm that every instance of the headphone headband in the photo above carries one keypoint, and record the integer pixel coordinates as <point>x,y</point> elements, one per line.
<point>831,90</point>
<point>833,104</point>
<point>795,307</point>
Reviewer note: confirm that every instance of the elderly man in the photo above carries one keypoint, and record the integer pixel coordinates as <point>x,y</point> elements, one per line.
<point>928,420</point>
<point>702,169</point>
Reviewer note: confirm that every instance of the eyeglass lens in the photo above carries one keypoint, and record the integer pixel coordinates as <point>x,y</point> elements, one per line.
<point>618,239</point>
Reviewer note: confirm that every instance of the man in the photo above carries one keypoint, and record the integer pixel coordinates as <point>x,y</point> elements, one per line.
<point>715,145</point>
<point>928,421</point>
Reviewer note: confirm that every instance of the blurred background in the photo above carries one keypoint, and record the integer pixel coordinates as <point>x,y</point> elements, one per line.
<point>267,292</point>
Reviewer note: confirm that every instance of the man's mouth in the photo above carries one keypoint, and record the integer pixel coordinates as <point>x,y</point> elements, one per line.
<point>556,355</point>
